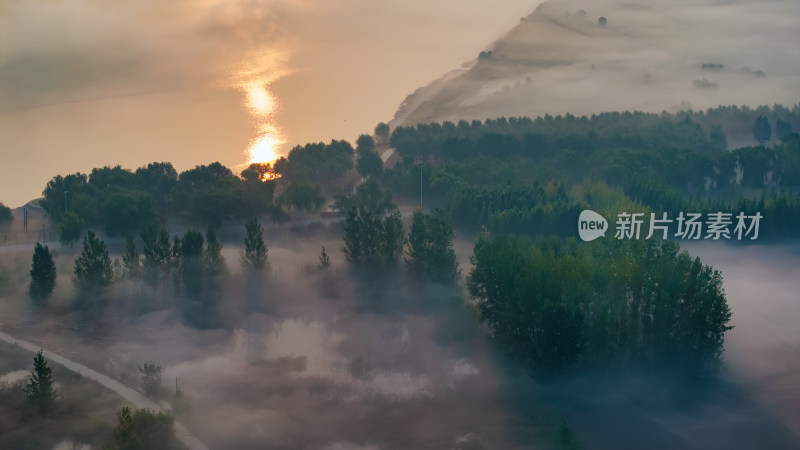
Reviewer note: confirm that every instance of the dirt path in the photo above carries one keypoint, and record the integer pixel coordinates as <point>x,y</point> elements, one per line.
<point>137,399</point>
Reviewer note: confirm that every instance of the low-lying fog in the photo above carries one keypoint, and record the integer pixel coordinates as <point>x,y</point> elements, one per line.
<point>322,361</point>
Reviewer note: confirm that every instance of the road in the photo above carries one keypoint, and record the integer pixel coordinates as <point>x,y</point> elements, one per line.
<point>136,398</point>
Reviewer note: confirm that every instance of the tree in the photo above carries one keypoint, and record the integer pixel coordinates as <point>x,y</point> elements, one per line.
<point>69,228</point>
<point>5,215</point>
<point>609,301</point>
<point>602,21</point>
<point>302,196</point>
<point>192,267</point>
<point>39,389</point>
<point>213,259</point>
<point>150,372</point>
<point>130,259</point>
<point>126,211</point>
<point>382,131</point>
<point>365,143</point>
<point>371,238</point>
<point>368,195</point>
<point>143,429</point>
<point>255,250</point>
<point>369,163</point>
<point>93,266</point>
<point>43,274</point>
<point>782,129</point>
<point>158,254</point>
<point>430,247</point>
<point>324,259</point>
<point>761,130</point>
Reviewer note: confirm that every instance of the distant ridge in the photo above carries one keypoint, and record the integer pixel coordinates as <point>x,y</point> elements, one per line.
<point>649,56</point>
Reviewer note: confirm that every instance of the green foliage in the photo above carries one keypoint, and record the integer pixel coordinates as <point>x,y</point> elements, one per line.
<point>382,131</point>
<point>93,266</point>
<point>43,274</point>
<point>604,303</point>
<point>602,21</point>
<point>371,238</point>
<point>430,248</point>
<point>143,429</point>
<point>762,130</point>
<point>69,228</point>
<point>39,389</point>
<point>302,196</point>
<point>255,250</point>
<point>369,195</point>
<point>209,194</point>
<point>127,211</point>
<point>53,193</point>
<point>365,143</point>
<point>320,163</point>
<point>5,215</point>
<point>369,163</point>
<point>131,260</point>
<point>150,373</point>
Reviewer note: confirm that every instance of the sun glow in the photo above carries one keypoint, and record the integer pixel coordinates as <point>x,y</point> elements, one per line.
<point>262,106</point>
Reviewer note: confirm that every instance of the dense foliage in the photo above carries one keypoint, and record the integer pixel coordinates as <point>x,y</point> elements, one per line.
<point>430,248</point>
<point>43,274</point>
<point>605,303</point>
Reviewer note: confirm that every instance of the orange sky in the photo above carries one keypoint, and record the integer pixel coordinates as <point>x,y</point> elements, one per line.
<point>83,84</point>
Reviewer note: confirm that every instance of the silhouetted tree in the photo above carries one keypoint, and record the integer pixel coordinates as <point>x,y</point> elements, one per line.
<point>255,250</point>
<point>43,274</point>
<point>150,373</point>
<point>382,131</point>
<point>762,130</point>
<point>365,143</point>
<point>131,260</point>
<point>369,164</point>
<point>213,259</point>
<point>602,21</point>
<point>39,389</point>
<point>324,259</point>
<point>6,215</point>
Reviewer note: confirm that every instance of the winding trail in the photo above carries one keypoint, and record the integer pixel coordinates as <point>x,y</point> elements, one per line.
<point>137,399</point>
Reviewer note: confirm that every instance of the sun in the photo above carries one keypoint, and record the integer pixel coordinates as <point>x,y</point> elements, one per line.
<point>262,105</point>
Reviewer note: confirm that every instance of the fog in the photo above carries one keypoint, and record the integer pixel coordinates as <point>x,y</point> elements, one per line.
<point>648,57</point>
<point>331,359</point>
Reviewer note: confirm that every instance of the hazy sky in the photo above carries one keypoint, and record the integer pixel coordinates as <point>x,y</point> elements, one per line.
<point>85,83</point>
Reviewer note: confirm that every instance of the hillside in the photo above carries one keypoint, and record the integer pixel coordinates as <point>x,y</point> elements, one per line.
<point>649,56</point>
